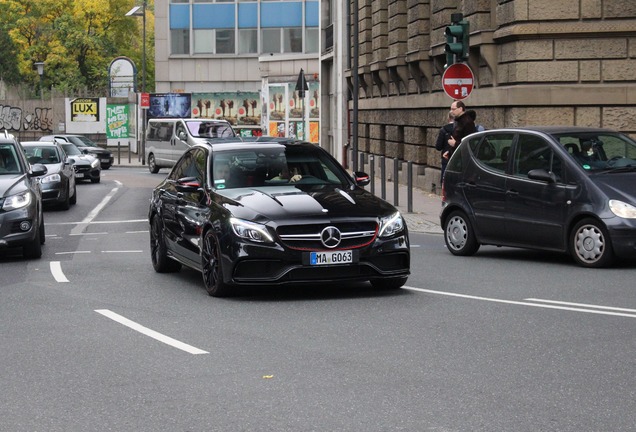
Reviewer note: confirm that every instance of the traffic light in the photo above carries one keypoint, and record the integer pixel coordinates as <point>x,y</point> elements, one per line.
<point>457,41</point>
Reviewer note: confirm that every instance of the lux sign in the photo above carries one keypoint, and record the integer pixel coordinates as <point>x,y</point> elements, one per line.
<point>85,110</point>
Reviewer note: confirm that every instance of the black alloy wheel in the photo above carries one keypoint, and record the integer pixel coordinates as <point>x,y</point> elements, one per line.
<point>158,252</point>
<point>211,267</point>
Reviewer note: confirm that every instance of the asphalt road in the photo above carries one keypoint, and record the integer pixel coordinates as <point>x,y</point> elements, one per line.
<point>94,340</point>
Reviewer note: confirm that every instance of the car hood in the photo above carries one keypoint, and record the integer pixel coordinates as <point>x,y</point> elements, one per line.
<point>282,202</point>
<point>12,184</point>
<point>617,185</point>
<point>82,159</point>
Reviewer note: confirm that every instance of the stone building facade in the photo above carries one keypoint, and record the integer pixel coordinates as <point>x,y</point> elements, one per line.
<point>569,62</point>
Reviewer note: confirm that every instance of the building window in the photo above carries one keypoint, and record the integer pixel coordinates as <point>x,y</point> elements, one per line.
<point>225,41</point>
<point>292,40</point>
<point>203,41</point>
<point>270,38</point>
<point>248,41</point>
<point>311,39</point>
<point>180,41</point>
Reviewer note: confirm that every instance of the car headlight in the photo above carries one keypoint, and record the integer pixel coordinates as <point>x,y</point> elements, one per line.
<point>250,231</point>
<point>53,178</point>
<point>95,163</point>
<point>391,225</point>
<point>20,200</point>
<point>622,209</point>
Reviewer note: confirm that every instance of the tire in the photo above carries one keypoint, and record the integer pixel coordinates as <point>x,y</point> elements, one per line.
<point>459,235</point>
<point>73,199</point>
<point>66,204</point>
<point>590,244</point>
<point>33,250</point>
<point>211,267</point>
<point>152,164</point>
<point>161,262</point>
<point>389,283</point>
<point>42,230</point>
<point>96,180</point>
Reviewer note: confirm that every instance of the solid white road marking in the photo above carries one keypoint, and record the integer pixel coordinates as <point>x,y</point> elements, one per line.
<point>525,303</point>
<point>79,229</point>
<point>99,222</point>
<point>123,251</point>
<point>582,305</point>
<point>150,333</point>
<point>56,271</point>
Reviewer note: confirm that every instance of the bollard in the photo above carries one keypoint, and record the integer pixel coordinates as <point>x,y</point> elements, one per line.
<point>409,187</point>
<point>118,152</point>
<point>383,177</point>
<point>128,151</point>
<point>372,172</point>
<point>396,182</point>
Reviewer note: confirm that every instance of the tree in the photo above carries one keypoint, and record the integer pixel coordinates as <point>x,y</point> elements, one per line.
<point>76,39</point>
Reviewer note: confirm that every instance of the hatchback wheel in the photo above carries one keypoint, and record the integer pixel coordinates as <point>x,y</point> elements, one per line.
<point>590,244</point>
<point>459,235</point>
<point>211,267</point>
<point>158,252</point>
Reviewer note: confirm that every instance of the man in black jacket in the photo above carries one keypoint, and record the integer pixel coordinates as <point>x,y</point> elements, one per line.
<point>444,135</point>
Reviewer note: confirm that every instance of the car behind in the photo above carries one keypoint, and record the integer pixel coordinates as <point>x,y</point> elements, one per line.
<point>231,212</point>
<point>87,146</point>
<point>58,184</point>
<point>566,189</point>
<point>87,167</point>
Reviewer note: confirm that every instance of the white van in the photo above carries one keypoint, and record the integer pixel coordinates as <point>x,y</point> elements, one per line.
<point>167,139</point>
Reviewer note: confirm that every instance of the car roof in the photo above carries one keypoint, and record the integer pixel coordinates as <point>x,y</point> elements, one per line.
<point>554,129</point>
<point>237,144</point>
<point>39,143</point>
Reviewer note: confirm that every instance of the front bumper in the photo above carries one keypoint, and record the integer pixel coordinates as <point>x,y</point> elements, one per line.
<point>622,234</point>
<point>86,172</point>
<point>13,224</point>
<point>250,264</point>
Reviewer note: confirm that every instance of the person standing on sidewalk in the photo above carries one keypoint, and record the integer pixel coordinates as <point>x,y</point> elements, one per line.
<point>464,125</point>
<point>443,136</point>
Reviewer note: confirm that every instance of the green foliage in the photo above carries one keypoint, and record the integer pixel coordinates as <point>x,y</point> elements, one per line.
<point>76,39</point>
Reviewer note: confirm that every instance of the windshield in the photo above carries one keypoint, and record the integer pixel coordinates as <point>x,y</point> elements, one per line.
<point>280,166</point>
<point>9,160</point>
<point>71,149</point>
<point>42,154</point>
<point>84,141</point>
<point>601,150</point>
<point>209,129</point>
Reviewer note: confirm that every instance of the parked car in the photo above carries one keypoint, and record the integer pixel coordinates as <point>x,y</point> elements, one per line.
<point>21,216</point>
<point>271,214</point>
<point>168,138</point>
<point>58,184</point>
<point>86,145</point>
<point>87,167</point>
<point>566,189</point>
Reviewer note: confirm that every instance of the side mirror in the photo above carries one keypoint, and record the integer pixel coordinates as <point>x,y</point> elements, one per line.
<point>542,175</point>
<point>361,178</point>
<point>38,169</point>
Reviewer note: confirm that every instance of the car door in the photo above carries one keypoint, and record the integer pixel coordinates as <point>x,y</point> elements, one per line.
<point>536,209</point>
<point>190,204</point>
<point>485,181</point>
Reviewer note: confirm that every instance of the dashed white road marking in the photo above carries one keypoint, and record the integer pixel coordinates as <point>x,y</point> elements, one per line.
<point>150,333</point>
<point>56,271</point>
<point>600,310</point>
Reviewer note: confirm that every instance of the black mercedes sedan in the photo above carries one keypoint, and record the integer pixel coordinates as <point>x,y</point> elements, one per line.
<point>566,189</point>
<point>58,184</point>
<point>274,214</point>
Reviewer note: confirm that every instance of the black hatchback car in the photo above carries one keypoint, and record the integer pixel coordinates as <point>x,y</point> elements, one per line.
<point>21,216</point>
<point>567,189</point>
<point>273,214</point>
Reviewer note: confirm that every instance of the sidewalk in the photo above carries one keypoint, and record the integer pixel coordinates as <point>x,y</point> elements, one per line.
<point>426,206</point>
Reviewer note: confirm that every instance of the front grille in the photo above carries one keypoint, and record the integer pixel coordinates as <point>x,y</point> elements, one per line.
<point>82,169</point>
<point>307,237</point>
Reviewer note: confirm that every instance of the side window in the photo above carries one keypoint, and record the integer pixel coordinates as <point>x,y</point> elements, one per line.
<point>189,166</point>
<point>533,152</point>
<point>492,150</point>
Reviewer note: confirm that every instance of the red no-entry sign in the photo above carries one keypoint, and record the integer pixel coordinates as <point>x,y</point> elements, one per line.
<point>458,81</point>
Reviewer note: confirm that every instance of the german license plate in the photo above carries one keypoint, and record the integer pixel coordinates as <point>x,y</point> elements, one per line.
<point>331,257</point>
<point>105,160</point>
<point>79,175</point>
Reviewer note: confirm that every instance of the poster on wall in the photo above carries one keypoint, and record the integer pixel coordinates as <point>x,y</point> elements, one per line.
<point>117,121</point>
<point>314,101</point>
<point>238,108</point>
<point>277,103</point>
<point>169,105</point>
<point>85,110</point>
